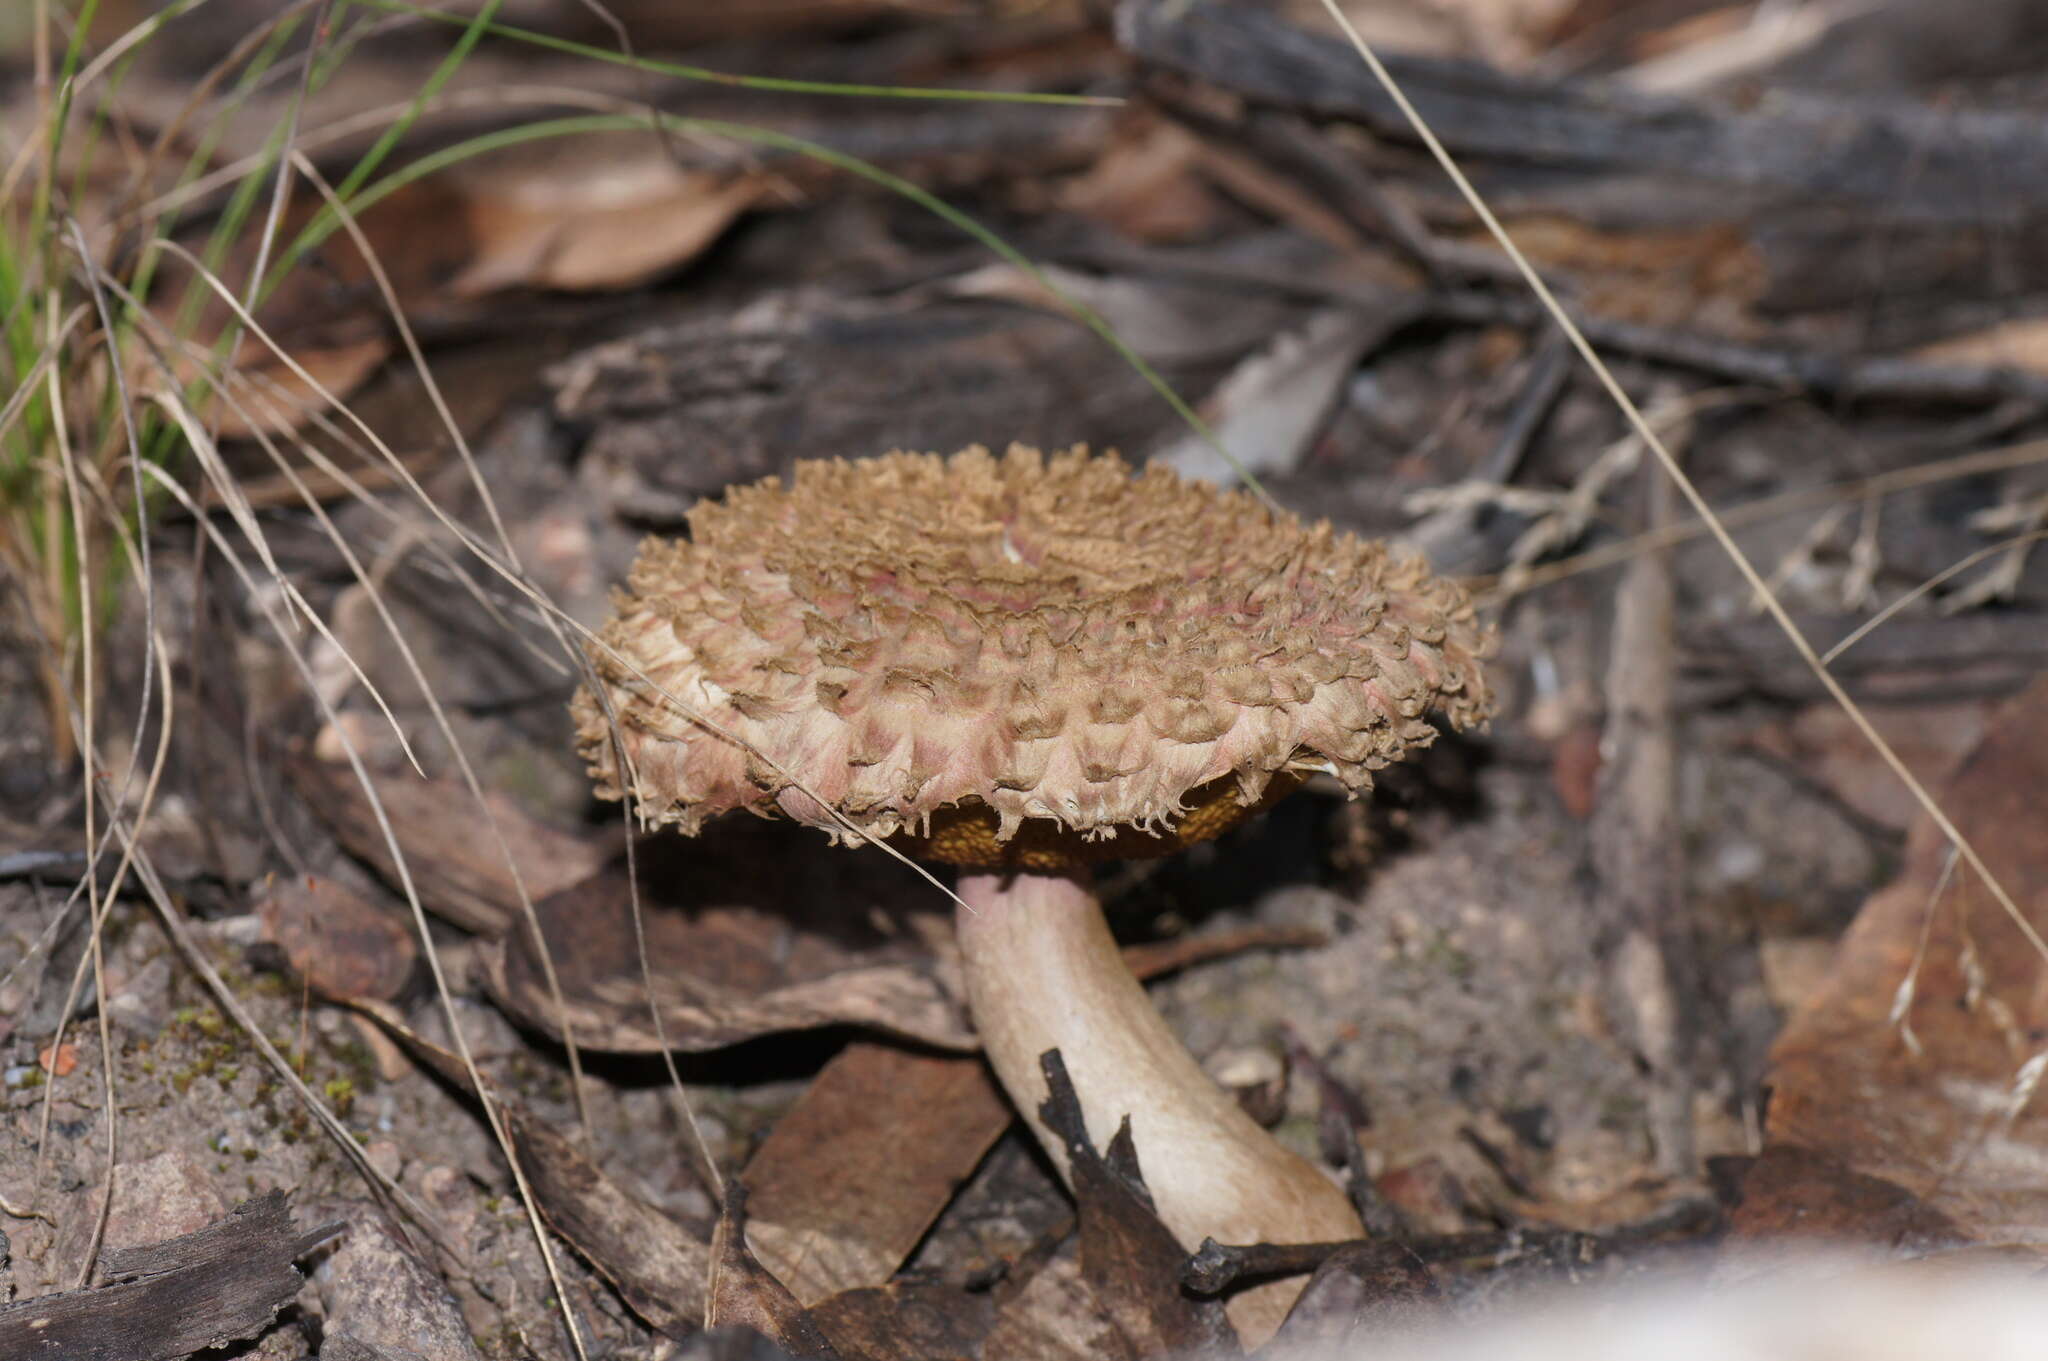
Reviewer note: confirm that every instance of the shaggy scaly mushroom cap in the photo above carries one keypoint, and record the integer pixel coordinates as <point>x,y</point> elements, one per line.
<point>958,649</point>
<point>1021,665</point>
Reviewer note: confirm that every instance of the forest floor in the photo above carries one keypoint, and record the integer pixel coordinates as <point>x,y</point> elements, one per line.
<point>1664,965</point>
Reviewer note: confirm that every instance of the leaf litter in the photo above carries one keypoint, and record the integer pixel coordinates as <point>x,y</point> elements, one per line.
<point>1456,1049</point>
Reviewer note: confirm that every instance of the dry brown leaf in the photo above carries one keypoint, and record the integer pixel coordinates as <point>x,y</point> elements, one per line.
<point>848,1181</point>
<point>1274,404</point>
<point>907,1321</point>
<point>455,862</point>
<point>1699,278</point>
<point>342,944</point>
<point>721,976</point>
<point>1931,1118</point>
<point>1505,33</point>
<point>1931,739</point>
<point>1129,1259</point>
<point>597,214</point>
<point>1146,184</point>
<point>837,938</point>
<point>745,1294</point>
<point>273,398</point>
<point>615,220</point>
<point>750,928</point>
<point>326,312</point>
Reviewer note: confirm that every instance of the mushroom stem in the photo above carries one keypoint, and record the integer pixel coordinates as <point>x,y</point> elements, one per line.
<point>1043,972</point>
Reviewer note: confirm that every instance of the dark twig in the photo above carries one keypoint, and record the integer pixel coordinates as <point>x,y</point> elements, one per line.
<point>1789,369</point>
<point>1645,936</point>
<point>1491,1155</point>
<point>1294,146</point>
<point>1875,377</point>
<point>1549,368</point>
<point>1216,1267</point>
<point>43,865</point>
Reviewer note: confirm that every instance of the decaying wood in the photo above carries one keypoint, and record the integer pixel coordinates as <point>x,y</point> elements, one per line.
<point>1792,368</point>
<point>1916,161</point>
<point>1913,656</point>
<point>221,1284</point>
<point>680,411</point>
<point>658,1266</point>
<point>1961,193</point>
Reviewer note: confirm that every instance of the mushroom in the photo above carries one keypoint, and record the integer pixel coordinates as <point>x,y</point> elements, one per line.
<point>1022,665</point>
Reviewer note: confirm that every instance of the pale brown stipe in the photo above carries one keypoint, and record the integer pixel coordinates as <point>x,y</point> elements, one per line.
<point>1020,665</point>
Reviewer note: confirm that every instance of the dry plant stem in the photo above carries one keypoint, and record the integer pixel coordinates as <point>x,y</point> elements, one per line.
<point>1043,973</point>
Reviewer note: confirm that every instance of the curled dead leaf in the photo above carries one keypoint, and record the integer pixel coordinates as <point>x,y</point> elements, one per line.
<point>1913,1069</point>
<point>339,942</point>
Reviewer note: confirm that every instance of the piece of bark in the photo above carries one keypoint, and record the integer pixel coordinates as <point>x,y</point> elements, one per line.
<point>456,864</point>
<point>1913,658</point>
<point>823,377</point>
<point>657,1265</point>
<point>745,1294</point>
<point>848,1181</point>
<point>221,1284</point>
<point>1907,157</point>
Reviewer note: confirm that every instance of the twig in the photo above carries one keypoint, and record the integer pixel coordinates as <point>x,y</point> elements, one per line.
<point>1637,847</point>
